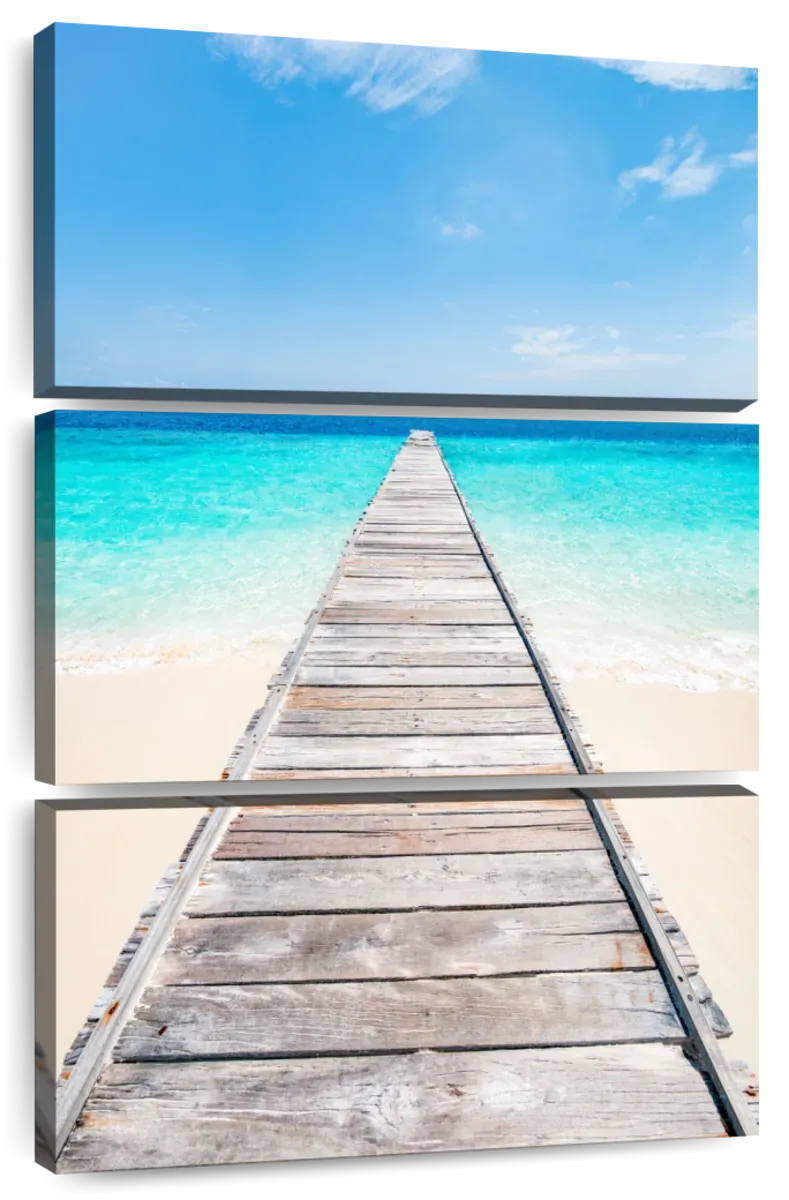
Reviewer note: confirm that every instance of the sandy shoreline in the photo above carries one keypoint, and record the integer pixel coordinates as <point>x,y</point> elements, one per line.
<point>180,722</point>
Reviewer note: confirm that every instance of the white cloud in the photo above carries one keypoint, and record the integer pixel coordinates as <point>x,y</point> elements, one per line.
<point>538,342</point>
<point>683,77</point>
<point>465,231</point>
<point>742,329</point>
<point>622,283</point>
<point>552,354</point>
<point>744,158</point>
<point>693,176</point>
<point>612,331</point>
<point>382,77</point>
<point>656,172</point>
<point>681,169</point>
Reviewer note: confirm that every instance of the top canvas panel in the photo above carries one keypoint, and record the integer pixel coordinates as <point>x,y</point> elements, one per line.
<point>228,216</point>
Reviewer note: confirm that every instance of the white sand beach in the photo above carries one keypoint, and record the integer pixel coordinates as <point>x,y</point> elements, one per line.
<point>180,721</point>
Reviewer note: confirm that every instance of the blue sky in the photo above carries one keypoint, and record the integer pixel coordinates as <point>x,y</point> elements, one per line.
<point>241,212</point>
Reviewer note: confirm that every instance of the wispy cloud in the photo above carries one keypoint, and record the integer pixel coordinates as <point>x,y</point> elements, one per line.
<point>562,353</point>
<point>466,230</point>
<point>683,77</point>
<point>741,329</point>
<point>744,158</point>
<point>382,77</point>
<point>682,169</point>
<point>612,331</point>
<point>535,341</point>
<point>622,283</point>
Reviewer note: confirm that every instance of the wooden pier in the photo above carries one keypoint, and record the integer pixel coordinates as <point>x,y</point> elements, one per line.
<point>461,971</point>
<point>391,977</point>
<point>416,660</point>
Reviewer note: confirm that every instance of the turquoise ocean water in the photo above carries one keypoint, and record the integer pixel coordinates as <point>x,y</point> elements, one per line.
<point>633,547</point>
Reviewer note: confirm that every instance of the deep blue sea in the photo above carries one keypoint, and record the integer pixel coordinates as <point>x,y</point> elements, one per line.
<point>632,546</point>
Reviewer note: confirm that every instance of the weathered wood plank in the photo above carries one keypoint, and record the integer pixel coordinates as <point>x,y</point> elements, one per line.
<point>420,655</point>
<point>418,541</point>
<point>417,612</point>
<point>258,1020</point>
<point>529,695</point>
<point>468,554</point>
<point>501,634</point>
<point>425,515</point>
<point>424,643</point>
<point>317,722</point>
<point>447,801</point>
<point>434,523</point>
<point>372,752</point>
<point>420,588</point>
<point>347,820</point>
<point>243,843</point>
<point>399,515</point>
<point>412,676</point>
<point>408,882</point>
<point>392,568</point>
<point>399,1104</point>
<point>413,945</point>
<point>407,772</point>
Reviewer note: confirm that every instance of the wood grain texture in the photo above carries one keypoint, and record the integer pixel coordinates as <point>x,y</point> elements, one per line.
<point>409,634</point>
<point>451,543</point>
<point>436,697</point>
<point>411,945</point>
<point>252,844</point>
<point>408,568</point>
<point>417,612</point>
<point>411,526</point>
<point>423,655</point>
<point>447,772</point>
<point>421,588</point>
<point>365,649</point>
<point>258,1020</point>
<point>447,800</point>
<point>216,1112</point>
<point>411,675</point>
<point>407,882</point>
<point>401,722</point>
<point>411,818</point>
<point>394,550</point>
<point>370,753</point>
